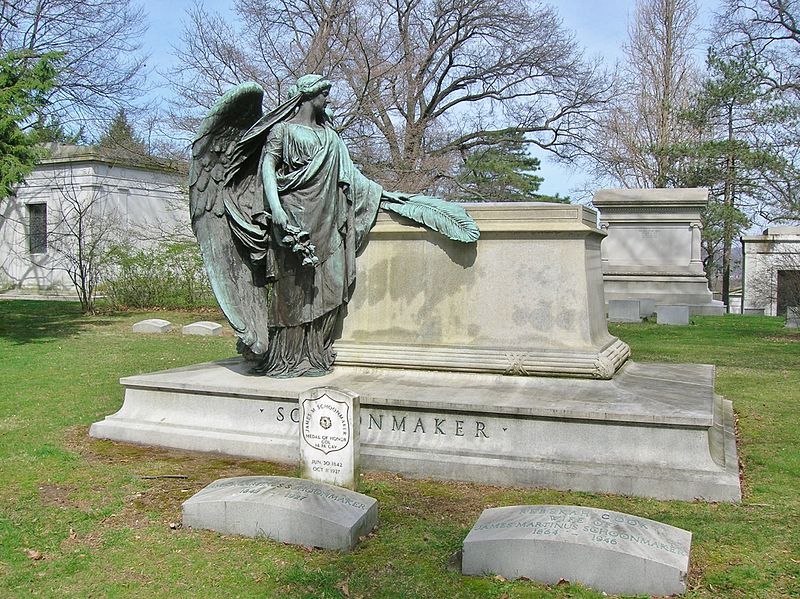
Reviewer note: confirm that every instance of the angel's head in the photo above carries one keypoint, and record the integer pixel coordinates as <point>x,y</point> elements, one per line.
<point>314,89</point>
<point>309,86</point>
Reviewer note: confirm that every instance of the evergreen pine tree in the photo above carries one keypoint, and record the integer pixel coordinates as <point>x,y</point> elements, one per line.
<point>503,172</point>
<point>731,155</point>
<point>120,137</point>
<point>25,79</point>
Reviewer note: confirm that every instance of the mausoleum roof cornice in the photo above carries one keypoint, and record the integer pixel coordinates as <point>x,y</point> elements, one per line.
<point>775,234</point>
<point>656,199</point>
<point>71,154</point>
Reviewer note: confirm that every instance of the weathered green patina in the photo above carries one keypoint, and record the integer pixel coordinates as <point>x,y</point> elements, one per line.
<point>277,204</point>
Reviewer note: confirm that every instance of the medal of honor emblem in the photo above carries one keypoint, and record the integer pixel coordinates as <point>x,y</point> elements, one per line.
<point>326,424</point>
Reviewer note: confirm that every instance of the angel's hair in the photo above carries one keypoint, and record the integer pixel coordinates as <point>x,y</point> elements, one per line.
<point>309,86</point>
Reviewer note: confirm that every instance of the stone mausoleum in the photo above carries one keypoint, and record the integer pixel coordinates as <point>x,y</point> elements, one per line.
<point>652,251</point>
<point>772,271</point>
<point>140,198</point>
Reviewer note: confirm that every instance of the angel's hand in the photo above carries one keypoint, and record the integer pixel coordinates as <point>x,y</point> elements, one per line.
<point>280,218</point>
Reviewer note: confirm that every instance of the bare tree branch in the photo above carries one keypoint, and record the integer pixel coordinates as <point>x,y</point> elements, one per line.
<point>656,83</point>
<point>419,78</point>
<point>102,67</point>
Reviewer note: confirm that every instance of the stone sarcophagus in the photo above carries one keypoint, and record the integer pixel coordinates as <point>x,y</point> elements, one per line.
<point>527,299</point>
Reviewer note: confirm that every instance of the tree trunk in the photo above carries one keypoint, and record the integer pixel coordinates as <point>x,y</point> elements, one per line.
<point>727,231</point>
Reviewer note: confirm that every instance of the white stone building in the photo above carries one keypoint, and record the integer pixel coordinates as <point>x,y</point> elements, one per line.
<point>652,252</point>
<point>122,198</point>
<point>771,265</point>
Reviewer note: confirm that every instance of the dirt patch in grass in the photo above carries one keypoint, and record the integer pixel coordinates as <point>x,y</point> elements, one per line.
<point>77,440</point>
<point>56,496</point>
<point>64,497</point>
<point>786,338</point>
<point>167,477</point>
<point>164,497</point>
<point>425,499</point>
<point>155,461</point>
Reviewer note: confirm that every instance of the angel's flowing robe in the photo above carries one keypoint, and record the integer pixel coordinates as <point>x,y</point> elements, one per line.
<point>323,193</point>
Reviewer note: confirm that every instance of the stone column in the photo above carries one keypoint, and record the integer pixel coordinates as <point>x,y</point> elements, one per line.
<point>696,237</point>
<point>603,257</point>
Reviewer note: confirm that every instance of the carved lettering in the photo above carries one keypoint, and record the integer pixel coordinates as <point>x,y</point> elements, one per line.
<point>586,524</point>
<point>408,423</point>
<point>378,422</point>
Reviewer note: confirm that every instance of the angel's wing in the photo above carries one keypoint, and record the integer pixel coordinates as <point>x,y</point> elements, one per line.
<point>221,214</point>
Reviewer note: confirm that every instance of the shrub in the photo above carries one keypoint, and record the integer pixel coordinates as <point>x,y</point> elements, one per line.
<point>166,276</point>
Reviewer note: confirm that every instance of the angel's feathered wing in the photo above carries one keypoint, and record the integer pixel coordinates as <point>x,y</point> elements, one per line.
<point>221,209</point>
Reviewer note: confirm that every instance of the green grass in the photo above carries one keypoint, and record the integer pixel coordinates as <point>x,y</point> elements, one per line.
<point>102,530</point>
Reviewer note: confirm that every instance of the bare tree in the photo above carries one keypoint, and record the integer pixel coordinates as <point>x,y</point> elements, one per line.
<point>101,67</point>
<point>656,81</point>
<point>420,80</point>
<point>777,199</point>
<point>82,236</point>
<point>770,30</point>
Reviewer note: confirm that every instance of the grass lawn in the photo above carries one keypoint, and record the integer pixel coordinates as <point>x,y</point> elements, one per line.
<point>81,517</point>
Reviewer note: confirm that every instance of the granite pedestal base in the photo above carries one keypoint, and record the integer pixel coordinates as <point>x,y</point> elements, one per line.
<point>655,430</point>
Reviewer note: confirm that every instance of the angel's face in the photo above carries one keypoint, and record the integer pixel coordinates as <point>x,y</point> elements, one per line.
<point>320,102</point>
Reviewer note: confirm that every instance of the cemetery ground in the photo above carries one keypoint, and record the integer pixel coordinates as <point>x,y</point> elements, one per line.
<point>81,517</point>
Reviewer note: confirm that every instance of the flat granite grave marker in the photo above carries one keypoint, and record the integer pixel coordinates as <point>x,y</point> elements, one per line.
<point>285,509</point>
<point>623,311</point>
<point>203,327</point>
<point>609,551</point>
<point>675,315</point>
<point>329,443</point>
<point>152,325</point>
<point>647,307</point>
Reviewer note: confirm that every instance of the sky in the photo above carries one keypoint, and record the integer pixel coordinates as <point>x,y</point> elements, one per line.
<point>601,26</point>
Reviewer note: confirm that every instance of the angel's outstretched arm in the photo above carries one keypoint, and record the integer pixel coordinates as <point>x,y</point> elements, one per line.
<point>269,178</point>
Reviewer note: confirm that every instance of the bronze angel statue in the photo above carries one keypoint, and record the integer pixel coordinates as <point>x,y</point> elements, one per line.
<point>280,211</point>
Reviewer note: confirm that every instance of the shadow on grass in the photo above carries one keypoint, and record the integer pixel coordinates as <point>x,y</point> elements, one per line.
<point>28,321</point>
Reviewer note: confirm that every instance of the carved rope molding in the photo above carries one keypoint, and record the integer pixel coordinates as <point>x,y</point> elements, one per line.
<point>601,364</point>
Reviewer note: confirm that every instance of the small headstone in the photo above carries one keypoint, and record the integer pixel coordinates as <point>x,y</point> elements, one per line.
<point>329,442</point>
<point>753,311</point>
<point>678,315</point>
<point>609,551</point>
<point>202,327</point>
<point>793,317</point>
<point>647,307</point>
<point>289,510</point>
<point>152,325</point>
<point>623,311</point>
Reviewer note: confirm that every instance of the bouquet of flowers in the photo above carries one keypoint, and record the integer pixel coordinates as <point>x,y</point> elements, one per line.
<point>301,245</point>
